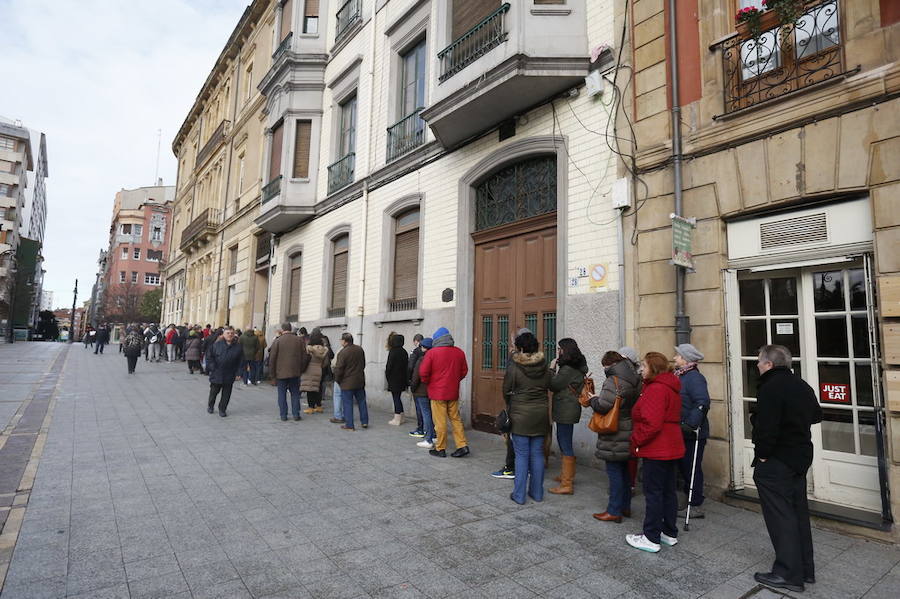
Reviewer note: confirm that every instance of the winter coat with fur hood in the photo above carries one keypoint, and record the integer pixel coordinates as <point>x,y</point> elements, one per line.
<point>525,386</point>
<point>311,379</point>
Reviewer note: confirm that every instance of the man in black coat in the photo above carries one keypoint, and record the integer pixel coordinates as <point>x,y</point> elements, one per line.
<point>102,338</point>
<point>223,361</point>
<point>786,407</point>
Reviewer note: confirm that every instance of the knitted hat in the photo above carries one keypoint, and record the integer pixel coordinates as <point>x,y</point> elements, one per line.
<point>630,354</point>
<point>427,342</point>
<point>689,352</point>
<point>440,333</point>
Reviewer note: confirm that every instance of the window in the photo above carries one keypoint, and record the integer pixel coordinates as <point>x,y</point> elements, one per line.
<point>126,229</point>
<point>301,150</point>
<point>154,255</point>
<point>275,152</point>
<point>134,276</point>
<point>7,167</point>
<point>294,288</point>
<point>7,143</point>
<point>340,263</point>
<point>248,81</point>
<point>406,261</point>
<point>347,142</point>
<point>311,16</point>
<point>121,276</point>
<point>340,173</point>
<point>516,192</point>
<point>232,260</point>
<point>6,191</point>
<point>137,230</point>
<point>156,234</point>
<point>412,95</point>
<point>137,253</point>
<point>151,278</point>
<point>241,172</point>
<point>124,253</point>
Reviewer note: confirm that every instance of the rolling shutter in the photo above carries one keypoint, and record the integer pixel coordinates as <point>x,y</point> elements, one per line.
<point>294,295</point>
<point>311,8</point>
<point>275,157</point>
<point>468,13</point>
<point>339,281</point>
<point>406,265</point>
<point>301,150</point>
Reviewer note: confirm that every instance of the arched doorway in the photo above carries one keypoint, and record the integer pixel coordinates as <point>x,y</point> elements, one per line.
<point>515,273</point>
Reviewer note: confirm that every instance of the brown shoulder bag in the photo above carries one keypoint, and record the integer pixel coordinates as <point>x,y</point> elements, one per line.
<point>605,424</point>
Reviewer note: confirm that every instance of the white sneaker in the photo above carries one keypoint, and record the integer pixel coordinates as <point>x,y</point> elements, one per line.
<point>667,540</point>
<point>425,444</point>
<point>643,543</point>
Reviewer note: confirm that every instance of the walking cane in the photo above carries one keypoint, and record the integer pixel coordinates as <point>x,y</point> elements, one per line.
<point>687,516</point>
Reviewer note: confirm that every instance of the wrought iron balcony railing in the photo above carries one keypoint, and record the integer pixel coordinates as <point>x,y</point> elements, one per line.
<point>340,174</point>
<point>283,46</point>
<point>782,58</point>
<point>272,189</point>
<point>347,15</point>
<point>406,135</point>
<point>198,229</point>
<point>337,312</point>
<point>214,141</point>
<point>475,43</point>
<point>263,248</point>
<point>399,305</point>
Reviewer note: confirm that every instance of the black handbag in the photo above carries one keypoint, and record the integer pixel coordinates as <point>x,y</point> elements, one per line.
<point>502,422</point>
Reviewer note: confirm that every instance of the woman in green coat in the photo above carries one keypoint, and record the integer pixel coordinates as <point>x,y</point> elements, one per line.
<point>571,368</point>
<point>525,388</point>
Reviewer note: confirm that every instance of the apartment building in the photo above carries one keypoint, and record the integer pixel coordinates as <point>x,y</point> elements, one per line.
<point>790,137</point>
<point>211,275</point>
<point>16,159</point>
<point>437,164</point>
<point>140,232</point>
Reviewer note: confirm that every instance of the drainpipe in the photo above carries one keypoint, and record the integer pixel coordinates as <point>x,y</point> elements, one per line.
<point>682,320</point>
<point>620,234</point>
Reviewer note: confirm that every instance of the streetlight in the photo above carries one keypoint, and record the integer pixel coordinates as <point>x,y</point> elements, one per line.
<point>72,314</point>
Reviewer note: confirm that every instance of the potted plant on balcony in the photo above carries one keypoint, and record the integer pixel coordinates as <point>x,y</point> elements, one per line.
<point>787,11</point>
<point>748,22</point>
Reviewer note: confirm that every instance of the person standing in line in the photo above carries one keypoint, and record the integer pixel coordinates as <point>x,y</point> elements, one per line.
<point>443,368</point>
<point>250,344</point>
<point>414,356</point>
<point>622,381</point>
<point>525,387</point>
<point>630,354</point>
<point>288,359</point>
<point>420,395</point>
<point>395,373</point>
<point>102,338</point>
<point>256,371</point>
<point>223,360</point>
<point>132,345</point>
<point>694,422</point>
<point>192,351</point>
<point>350,374</point>
<point>171,337</point>
<point>311,379</point>
<point>207,330</point>
<point>568,374</point>
<point>786,408</point>
<point>656,438</point>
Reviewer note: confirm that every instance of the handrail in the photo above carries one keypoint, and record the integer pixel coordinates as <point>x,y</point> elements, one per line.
<point>405,135</point>
<point>348,14</point>
<point>272,189</point>
<point>340,172</point>
<point>473,44</point>
<point>217,137</point>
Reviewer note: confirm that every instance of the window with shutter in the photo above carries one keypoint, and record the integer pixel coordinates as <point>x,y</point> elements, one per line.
<point>275,156</point>
<point>301,150</point>
<point>294,289</point>
<point>339,276</point>
<point>468,13</point>
<point>406,261</point>
<point>286,19</point>
<point>311,16</point>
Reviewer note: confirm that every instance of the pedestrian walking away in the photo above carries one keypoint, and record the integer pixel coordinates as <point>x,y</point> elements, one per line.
<point>786,408</point>
<point>223,361</point>
<point>311,379</point>
<point>102,338</point>
<point>395,373</point>
<point>443,368</point>
<point>192,351</point>
<point>256,372</point>
<point>132,346</point>
<point>694,427</point>
<point>568,372</point>
<point>288,359</point>
<point>250,344</point>
<point>349,373</point>
<point>656,438</point>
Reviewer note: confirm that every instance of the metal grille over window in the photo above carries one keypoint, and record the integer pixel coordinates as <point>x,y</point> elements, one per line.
<point>793,231</point>
<point>519,191</point>
<point>487,342</point>
<point>549,334</point>
<point>502,341</point>
<point>531,323</point>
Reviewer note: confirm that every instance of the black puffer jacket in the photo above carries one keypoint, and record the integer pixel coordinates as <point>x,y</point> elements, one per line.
<point>395,367</point>
<point>615,447</point>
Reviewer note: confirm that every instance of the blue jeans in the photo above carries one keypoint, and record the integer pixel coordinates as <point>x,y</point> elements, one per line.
<point>529,462</point>
<point>423,409</point>
<point>564,438</point>
<point>661,501</point>
<point>347,397</point>
<point>293,385</point>
<point>246,369</point>
<point>256,371</point>
<point>338,401</point>
<point>619,488</point>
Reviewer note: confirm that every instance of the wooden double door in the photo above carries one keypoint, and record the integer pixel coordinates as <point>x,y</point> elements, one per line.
<point>515,287</point>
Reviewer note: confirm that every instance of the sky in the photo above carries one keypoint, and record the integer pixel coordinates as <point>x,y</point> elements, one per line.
<point>100,78</point>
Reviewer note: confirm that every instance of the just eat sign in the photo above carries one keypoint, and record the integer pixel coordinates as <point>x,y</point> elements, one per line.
<point>834,393</point>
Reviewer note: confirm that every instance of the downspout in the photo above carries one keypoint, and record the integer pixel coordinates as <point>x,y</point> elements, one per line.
<point>682,320</point>
<point>234,103</point>
<point>620,240</point>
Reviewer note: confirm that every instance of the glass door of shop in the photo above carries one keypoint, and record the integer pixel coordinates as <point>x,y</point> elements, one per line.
<point>820,314</point>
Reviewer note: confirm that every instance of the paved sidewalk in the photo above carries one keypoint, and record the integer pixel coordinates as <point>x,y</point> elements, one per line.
<point>141,493</point>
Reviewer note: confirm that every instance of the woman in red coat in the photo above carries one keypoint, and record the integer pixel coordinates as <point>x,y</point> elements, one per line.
<point>656,437</point>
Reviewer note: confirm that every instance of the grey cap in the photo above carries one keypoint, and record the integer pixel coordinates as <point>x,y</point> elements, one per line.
<point>689,352</point>
<point>524,330</point>
<point>630,354</point>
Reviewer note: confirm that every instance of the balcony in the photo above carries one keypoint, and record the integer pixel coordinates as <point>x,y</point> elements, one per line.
<point>401,305</point>
<point>337,312</point>
<point>405,136</point>
<point>284,46</point>
<point>340,174</point>
<point>263,249</point>
<point>212,144</point>
<point>782,59</point>
<point>348,15</point>
<point>199,230</point>
<point>513,59</point>
<point>272,189</point>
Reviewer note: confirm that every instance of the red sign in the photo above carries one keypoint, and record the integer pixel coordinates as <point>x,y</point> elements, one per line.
<point>834,392</point>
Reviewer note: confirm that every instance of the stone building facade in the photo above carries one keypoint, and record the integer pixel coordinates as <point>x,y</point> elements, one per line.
<point>790,163</point>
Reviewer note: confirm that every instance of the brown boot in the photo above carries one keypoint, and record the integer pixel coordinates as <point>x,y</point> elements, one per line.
<point>566,486</point>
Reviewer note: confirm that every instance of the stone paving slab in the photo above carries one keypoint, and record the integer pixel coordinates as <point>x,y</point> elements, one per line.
<point>141,493</point>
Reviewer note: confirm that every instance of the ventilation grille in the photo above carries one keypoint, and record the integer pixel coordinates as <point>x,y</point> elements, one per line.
<point>793,231</point>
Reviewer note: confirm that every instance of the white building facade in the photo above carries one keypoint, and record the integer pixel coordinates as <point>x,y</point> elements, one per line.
<point>442,164</point>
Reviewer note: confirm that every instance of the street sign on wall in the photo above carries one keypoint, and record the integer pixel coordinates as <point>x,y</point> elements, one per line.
<point>683,240</point>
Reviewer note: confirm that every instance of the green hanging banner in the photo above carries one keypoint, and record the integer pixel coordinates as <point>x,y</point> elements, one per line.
<point>683,241</point>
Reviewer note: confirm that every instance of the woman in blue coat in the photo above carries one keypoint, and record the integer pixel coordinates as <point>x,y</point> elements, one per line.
<point>694,422</point>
